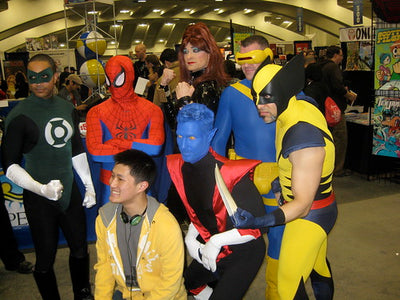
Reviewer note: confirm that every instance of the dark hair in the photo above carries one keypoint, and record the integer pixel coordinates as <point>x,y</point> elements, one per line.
<point>141,165</point>
<point>198,35</point>
<point>44,57</point>
<point>20,77</point>
<point>168,55</point>
<point>255,39</point>
<point>196,112</point>
<point>153,59</point>
<point>230,68</point>
<point>314,72</point>
<point>332,50</point>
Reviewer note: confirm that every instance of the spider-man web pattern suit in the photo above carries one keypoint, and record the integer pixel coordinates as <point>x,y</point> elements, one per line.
<point>124,121</point>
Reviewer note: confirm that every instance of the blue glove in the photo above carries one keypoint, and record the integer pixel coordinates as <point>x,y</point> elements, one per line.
<point>244,219</point>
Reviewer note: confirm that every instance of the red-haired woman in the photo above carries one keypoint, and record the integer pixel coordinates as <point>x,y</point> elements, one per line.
<point>202,68</point>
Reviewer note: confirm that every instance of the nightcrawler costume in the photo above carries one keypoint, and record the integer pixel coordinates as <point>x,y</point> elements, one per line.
<point>300,125</point>
<point>125,121</point>
<point>45,133</point>
<point>254,139</point>
<point>237,265</point>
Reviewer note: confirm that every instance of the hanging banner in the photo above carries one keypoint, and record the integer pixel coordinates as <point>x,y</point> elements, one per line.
<point>300,25</point>
<point>387,55</point>
<point>352,34</point>
<point>386,137</point>
<point>358,12</point>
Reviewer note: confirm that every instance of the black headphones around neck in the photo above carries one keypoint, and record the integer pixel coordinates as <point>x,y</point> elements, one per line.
<point>133,220</point>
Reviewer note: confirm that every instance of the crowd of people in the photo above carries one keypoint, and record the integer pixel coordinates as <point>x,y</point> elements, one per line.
<point>260,127</point>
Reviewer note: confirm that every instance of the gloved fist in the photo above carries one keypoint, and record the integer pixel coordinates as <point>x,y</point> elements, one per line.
<point>53,190</point>
<point>244,219</point>
<point>209,255</point>
<point>90,199</point>
<point>192,244</point>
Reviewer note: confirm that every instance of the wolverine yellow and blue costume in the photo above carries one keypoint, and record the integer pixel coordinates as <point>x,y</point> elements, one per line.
<point>299,125</point>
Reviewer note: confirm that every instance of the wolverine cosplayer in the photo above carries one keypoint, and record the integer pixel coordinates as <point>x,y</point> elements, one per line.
<point>305,156</point>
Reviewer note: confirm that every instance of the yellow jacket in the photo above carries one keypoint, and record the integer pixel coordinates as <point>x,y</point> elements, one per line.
<point>160,257</point>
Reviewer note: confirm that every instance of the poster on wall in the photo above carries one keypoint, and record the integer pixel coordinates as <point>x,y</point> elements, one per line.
<point>359,56</point>
<point>11,69</point>
<point>237,37</point>
<point>387,59</point>
<point>386,120</point>
<point>300,46</point>
<point>43,43</point>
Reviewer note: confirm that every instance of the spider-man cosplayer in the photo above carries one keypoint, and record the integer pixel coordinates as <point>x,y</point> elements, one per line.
<point>125,121</point>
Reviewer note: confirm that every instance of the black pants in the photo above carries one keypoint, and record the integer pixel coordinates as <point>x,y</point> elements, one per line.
<point>234,274</point>
<point>9,253</point>
<point>45,217</point>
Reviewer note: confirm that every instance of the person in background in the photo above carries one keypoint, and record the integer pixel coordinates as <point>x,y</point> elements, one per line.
<point>70,92</point>
<point>333,78</point>
<point>225,259</point>
<point>305,156</point>
<point>64,74</point>
<point>164,94</point>
<point>155,71</point>
<point>140,64</point>
<point>315,87</point>
<point>21,86</point>
<point>140,251</point>
<point>43,130</point>
<point>202,68</point>
<point>253,139</point>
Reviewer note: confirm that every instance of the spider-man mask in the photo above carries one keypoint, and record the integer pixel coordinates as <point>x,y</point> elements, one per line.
<point>119,78</point>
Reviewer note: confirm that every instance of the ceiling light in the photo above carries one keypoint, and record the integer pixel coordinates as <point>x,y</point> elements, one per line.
<point>142,24</point>
<point>124,11</point>
<point>137,41</point>
<point>187,9</point>
<point>113,42</point>
<point>141,1</point>
<point>216,9</point>
<point>156,10</point>
<point>61,45</point>
<point>116,25</point>
<point>248,10</point>
<point>161,41</point>
<point>93,12</point>
<point>169,24</point>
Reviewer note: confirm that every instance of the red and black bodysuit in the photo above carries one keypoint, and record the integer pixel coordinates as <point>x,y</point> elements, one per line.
<point>237,265</point>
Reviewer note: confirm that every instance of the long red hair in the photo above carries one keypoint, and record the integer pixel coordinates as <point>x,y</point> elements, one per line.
<point>198,35</point>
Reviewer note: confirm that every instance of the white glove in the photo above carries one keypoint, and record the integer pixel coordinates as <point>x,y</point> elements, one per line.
<point>81,166</point>
<point>213,246</point>
<point>90,197</point>
<point>209,255</point>
<point>192,244</point>
<point>52,190</point>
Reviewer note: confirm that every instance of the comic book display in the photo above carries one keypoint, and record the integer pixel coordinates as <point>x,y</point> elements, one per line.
<point>386,120</point>
<point>387,59</point>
